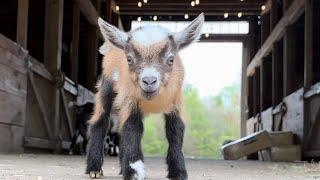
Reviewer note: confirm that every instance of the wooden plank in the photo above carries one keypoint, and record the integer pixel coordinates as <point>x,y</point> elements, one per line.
<point>92,58</point>
<point>39,68</point>
<point>244,88</point>
<point>277,58</point>
<point>290,17</point>
<point>39,143</point>
<point>267,119</point>
<point>313,90</point>
<point>11,138</point>
<point>108,10</point>
<point>22,22</point>
<point>89,11</point>
<point>308,45</point>
<point>75,42</point>
<point>289,60</point>
<point>12,47</point>
<point>12,81</point>
<point>52,54</point>
<point>13,109</point>
<point>70,86</point>
<point>256,93</point>
<point>293,119</point>
<point>66,110</point>
<point>7,58</point>
<point>41,105</point>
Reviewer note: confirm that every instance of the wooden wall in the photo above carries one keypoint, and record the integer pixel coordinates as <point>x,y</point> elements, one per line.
<point>283,73</point>
<point>13,91</point>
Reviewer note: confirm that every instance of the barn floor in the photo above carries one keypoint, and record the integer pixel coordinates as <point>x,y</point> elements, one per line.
<point>41,167</point>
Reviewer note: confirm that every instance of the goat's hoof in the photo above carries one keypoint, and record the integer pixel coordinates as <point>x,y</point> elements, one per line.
<point>180,176</point>
<point>96,174</point>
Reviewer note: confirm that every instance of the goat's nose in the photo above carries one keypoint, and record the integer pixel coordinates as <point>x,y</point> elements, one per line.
<point>150,80</point>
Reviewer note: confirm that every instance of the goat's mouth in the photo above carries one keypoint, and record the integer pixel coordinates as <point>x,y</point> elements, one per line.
<point>149,95</point>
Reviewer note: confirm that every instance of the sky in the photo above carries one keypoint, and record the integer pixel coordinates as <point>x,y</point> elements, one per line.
<point>211,66</point>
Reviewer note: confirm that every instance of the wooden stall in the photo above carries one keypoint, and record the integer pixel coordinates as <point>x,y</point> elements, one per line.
<point>48,58</point>
<point>283,76</point>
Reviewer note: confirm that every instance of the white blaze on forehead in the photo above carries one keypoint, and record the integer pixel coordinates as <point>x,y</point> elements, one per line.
<point>150,71</point>
<point>139,169</point>
<point>148,35</point>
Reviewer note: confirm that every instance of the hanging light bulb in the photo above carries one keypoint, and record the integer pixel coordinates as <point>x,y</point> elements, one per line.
<point>207,34</point>
<point>263,7</point>
<point>117,8</point>
<point>155,18</point>
<point>139,4</point>
<point>225,15</point>
<point>139,19</point>
<point>197,2</point>
<point>145,1</point>
<point>193,3</point>
<point>186,16</point>
<point>239,14</point>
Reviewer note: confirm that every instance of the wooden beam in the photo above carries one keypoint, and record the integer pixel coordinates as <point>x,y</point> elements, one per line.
<point>108,11</point>
<point>290,17</point>
<point>308,45</point>
<point>22,23</point>
<point>52,54</point>
<point>75,42</point>
<point>89,11</point>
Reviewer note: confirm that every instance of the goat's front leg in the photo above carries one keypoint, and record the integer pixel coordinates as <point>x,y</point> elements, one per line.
<point>175,160</point>
<point>132,165</point>
<point>98,126</point>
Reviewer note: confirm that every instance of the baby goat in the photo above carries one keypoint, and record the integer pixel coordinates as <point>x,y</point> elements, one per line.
<point>142,74</point>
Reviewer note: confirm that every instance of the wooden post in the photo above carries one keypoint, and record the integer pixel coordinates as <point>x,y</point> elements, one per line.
<point>92,59</point>
<point>308,44</point>
<point>277,59</point>
<point>22,22</point>
<point>52,54</point>
<point>108,11</point>
<point>244,88</point>
<point>265,74</point>
<point>288,55</point>
<point>75,42</point>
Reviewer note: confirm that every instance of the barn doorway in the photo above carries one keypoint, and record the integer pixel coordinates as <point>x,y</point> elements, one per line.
<point>212,90</point>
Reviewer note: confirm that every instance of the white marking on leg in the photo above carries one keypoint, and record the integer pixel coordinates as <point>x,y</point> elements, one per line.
<point>138,166</point>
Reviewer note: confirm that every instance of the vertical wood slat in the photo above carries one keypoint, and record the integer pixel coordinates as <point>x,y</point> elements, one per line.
<point>244,88</point>
<point>52,54</point>
<point>308,44</point>
<point>277,60</point>
<point>75,42</point>
<point>22,22</point>
<point>288,54</point>
<point>264,70</point>
<point>92,59</point>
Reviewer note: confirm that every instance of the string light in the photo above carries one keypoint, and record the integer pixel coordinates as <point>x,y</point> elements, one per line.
<point>139,4</point>
<point>239,14</point>
<point>263,7</point>
<point>139,19</point>
<point>186,16</point>
<point>145,1</point>
<point>241,0</point>
<point>155,18</point>
<point>207,34</point>
<point>193,3</point>
<point>197,2</point>
<point>225,15</point>
<point>117,8</point>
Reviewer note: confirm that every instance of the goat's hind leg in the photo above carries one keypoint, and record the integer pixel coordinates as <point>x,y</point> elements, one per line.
<point>98,126</point>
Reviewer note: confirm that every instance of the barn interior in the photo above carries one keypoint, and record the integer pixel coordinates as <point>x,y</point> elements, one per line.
<point>49,59</point>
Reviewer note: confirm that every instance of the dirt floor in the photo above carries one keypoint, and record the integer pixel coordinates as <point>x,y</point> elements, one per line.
<point>41,167</point>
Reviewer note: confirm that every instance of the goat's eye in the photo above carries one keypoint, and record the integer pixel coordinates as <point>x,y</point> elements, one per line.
<point>130,60</point>
<point>170,60</point>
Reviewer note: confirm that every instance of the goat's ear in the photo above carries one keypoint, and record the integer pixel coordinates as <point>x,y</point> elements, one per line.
<point>190,34</point>
<point>113,34</point>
